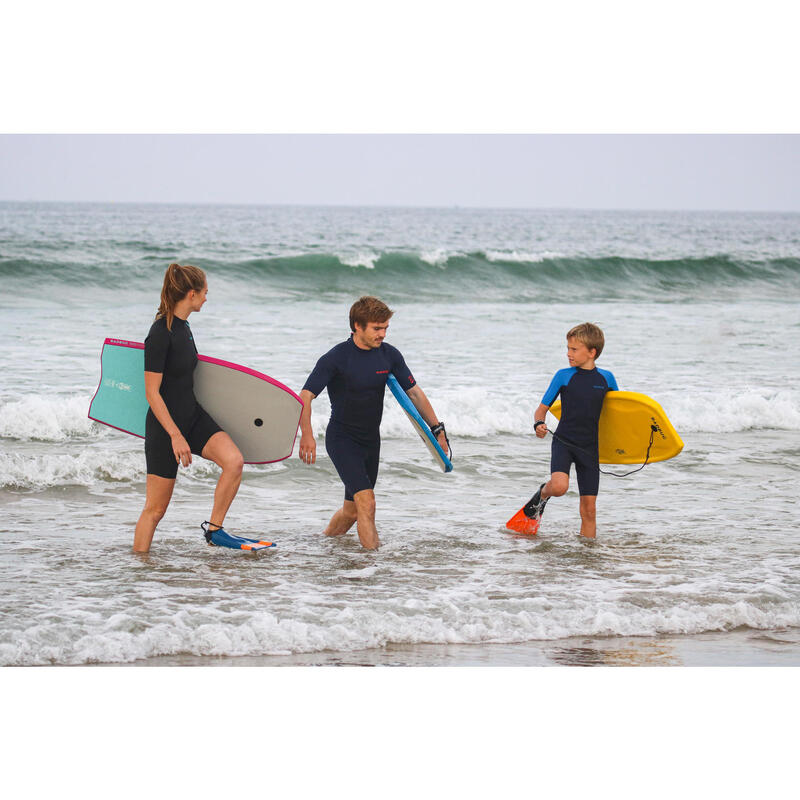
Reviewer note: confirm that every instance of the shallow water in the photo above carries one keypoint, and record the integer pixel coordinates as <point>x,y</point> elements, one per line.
<point>706,542</point>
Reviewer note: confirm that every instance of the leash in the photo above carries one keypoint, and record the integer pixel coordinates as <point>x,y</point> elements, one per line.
<point>653,430</point>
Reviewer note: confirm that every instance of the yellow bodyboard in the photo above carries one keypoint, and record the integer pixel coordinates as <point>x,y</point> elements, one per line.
<point>626,422</point>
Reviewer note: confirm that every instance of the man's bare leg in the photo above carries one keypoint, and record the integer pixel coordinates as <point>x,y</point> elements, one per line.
<point>342,520</point>
<point>365,511</point>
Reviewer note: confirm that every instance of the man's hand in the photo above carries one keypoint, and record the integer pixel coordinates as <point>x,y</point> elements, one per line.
<point>308,448</point>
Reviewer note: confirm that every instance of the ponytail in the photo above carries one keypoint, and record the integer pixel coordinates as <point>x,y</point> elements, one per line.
<point>178,282</point>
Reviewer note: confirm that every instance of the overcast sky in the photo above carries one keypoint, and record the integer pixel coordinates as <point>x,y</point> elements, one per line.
<point>726,172</point>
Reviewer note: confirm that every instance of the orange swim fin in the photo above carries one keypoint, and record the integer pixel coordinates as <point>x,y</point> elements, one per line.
<point>526,520</point>
<point>522,523</point>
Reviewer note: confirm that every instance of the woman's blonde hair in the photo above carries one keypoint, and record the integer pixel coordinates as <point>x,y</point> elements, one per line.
<point>178,282</point>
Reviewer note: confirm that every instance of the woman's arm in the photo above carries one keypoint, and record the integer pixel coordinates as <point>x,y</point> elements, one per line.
<point>180,447</point>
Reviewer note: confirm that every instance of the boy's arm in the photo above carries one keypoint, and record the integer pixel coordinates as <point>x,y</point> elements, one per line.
<point>560,379</point>
<point>539,416</point>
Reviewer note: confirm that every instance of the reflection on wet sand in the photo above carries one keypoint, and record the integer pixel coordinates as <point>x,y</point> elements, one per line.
<point>646,653</point>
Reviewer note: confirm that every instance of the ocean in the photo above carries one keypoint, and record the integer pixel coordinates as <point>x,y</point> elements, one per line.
<point>697,559</point>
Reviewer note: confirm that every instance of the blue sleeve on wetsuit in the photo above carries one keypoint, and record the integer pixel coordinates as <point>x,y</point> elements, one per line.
<point>321,375</point>
<point>400,369</point>
<point>610,379</point>
<point>560,379</point>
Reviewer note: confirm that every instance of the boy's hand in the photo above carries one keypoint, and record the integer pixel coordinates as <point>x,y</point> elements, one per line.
<point>540,429</point>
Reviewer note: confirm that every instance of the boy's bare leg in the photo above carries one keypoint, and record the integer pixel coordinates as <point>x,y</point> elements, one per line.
<point>588,515</point>
<point>556,486</point>
<point>342,520</point>
<point>365,510</point>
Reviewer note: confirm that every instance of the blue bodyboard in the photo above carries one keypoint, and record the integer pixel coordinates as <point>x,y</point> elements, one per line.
<point>422,428</point>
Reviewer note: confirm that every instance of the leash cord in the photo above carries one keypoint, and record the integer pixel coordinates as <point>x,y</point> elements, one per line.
<point>605,472</point>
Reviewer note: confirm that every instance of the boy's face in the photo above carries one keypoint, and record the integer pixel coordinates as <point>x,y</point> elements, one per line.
<point>579,355</point>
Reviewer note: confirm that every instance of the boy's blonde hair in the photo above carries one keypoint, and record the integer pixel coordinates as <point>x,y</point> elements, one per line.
<point>589,334</point>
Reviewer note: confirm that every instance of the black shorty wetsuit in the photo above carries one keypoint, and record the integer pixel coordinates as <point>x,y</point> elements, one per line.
<point>356,381</point>
<point>173,354</point>
<point>575,440</point>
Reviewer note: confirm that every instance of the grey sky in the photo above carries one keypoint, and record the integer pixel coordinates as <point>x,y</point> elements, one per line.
<point>736,172</point>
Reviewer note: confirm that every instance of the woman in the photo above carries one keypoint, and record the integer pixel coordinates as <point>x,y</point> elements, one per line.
<point>177,425</point>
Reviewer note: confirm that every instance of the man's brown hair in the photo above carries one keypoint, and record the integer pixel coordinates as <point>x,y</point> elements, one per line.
<point>368,309</point>
<point>590,335</point>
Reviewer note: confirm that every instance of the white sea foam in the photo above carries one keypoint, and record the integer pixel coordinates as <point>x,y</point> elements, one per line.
<point>473,411</point>
<point>752,409</point>
<point>520,256</point>
<point>86,467</point>
<point>437,257</point>
<point>36,417</point>
<point>90,638</point>
<point>362,259</point>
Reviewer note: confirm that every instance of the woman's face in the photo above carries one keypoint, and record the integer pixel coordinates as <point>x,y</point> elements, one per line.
<point>197,299</point>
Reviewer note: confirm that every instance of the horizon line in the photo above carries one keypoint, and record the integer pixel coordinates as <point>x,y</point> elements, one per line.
<point>403,206</point>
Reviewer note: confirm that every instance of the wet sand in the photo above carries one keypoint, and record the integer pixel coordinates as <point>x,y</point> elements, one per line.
<point>739,648</point>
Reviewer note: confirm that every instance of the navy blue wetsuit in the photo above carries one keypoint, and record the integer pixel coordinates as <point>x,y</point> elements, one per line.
<point>356,381</point>
<point>174,355</point>
<point>575,441</point>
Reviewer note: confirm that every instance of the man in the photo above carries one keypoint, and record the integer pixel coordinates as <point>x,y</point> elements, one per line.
<point>355,373</point>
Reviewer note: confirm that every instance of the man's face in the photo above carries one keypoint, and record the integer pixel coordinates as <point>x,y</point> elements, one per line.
<point>372,335</point>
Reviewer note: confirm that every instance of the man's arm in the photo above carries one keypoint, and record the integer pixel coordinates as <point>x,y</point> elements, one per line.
<point>423,405</point>
<point>308,444</point>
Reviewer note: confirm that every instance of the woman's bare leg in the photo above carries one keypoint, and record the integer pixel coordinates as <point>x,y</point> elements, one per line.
<point>159,493</point>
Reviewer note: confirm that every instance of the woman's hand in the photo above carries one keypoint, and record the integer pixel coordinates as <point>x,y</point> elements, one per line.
<point>181,449</point>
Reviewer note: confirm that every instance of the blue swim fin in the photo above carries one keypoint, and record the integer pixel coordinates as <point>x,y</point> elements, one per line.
<point>221,538</point>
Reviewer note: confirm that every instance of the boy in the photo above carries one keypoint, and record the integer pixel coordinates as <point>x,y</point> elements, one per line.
<point>583,388</point>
